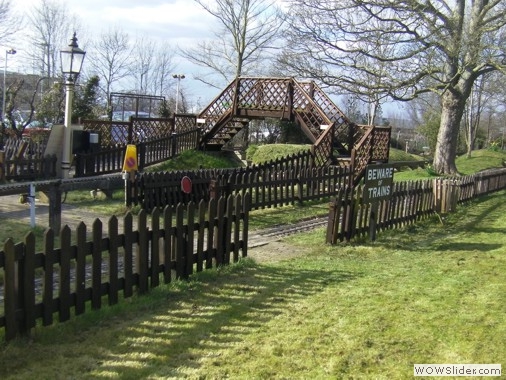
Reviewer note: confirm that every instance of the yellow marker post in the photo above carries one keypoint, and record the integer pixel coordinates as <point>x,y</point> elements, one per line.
<point>130,162</point>
<point>129,168</point>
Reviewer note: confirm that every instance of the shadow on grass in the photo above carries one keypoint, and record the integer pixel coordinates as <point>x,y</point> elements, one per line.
<point>467,247</point>
<point>472,218</point>
<point>221,316</point>
<point>170,334</point>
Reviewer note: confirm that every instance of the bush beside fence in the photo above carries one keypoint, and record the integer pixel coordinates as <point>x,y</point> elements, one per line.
<point>78,275</point>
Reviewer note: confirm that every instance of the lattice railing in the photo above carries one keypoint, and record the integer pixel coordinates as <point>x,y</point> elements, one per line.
<point>309,112</point>
<point>217,108</point>
<point>322,121</point>
<point>343,127</point>
<point>263,93</point>
<point>150,129</point>
<point>362,153</point>
<point>184,123</point>
<point>138,129</point>
<point>111,132</point>
<point>381,143</point>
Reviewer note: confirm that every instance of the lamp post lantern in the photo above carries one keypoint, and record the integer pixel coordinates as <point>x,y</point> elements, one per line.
<point>71,62</point>
<point>7,52</point>
<point>178,77</point>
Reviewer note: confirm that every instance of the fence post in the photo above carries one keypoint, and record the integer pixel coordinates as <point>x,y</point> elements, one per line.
<point>11,290</point>
<point>173,145</point>
<point>141,156</point>
<point>54,195</point>
<point>333,222</point>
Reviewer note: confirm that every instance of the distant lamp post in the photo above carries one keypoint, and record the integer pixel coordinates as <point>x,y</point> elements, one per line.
<point>7,52</point>
<point>71,62</point>
<point>178,77</point>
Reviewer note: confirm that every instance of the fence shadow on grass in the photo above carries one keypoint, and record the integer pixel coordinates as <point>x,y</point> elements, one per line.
<point>244,303</point>
<point>172,333</point>
<point>482,247</point>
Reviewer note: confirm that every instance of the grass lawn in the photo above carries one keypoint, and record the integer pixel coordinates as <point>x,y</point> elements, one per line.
<point>428,293</point>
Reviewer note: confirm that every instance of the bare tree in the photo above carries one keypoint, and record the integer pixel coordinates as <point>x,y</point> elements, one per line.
<point>143,64</point>
<point>111,59</point>
<point>249,29</point>
<point>163,70</point>
<point>441,46</point>
<point>51,26</point>
<point>10,23</point>
<point>473,113</point>
<point>23,92</point>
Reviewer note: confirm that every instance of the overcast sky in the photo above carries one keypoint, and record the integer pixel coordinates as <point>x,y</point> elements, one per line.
<point>177,22</point>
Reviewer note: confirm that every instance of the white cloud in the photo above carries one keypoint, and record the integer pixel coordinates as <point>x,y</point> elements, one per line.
<point>158,19</point>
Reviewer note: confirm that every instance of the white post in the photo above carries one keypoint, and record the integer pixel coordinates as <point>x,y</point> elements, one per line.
<point>67,132</point>
<point>177,93</point>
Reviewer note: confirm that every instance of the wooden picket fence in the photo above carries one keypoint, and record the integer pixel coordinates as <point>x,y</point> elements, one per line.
<point>284,181</point>
<point>350,216</point>
<point>77,275</point>
<point>110,159</point>
<point>24,159</point>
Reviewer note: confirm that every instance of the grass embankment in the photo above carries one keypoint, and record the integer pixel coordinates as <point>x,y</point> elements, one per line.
<point>258,154</point>
<point>428,293</point>
<point>480,160</point>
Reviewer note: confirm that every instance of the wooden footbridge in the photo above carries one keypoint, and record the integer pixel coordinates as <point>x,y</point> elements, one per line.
<point>336,140</point>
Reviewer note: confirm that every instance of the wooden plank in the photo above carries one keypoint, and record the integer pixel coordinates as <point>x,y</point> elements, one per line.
<point>96,266</point>
<point>201,235</point>
<point>227,231</point>
<point>210,233</point>
<point>179,242</point>
<point>141,258</point>
<point>64,275</point>
<point>47,280</point>
<point>28,283</point>
<point>155,248</point>
<point>220,223</point>
<point>128,259</point>
<point>113,260</point>
<point>245,222</point>
<point>11,289</point>
<point>189,239</point>
<point>167,244</point>
<point>238,201</point>
<point>80,282</point>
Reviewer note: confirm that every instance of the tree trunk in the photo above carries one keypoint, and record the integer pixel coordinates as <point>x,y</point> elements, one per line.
<point>453,104</point>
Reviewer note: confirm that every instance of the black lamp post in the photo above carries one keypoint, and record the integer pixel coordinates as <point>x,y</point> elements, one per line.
<point>72,58</point>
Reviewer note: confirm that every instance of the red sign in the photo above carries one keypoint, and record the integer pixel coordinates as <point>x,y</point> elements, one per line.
<point>186,185</point>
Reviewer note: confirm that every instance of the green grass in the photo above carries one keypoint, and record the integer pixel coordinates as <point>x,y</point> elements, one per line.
<point>480,160</point>
<point>400,155</point>
<point>263,153</point>
<point>194,159</point>
<point>428,293</point>
<point>265,218</point>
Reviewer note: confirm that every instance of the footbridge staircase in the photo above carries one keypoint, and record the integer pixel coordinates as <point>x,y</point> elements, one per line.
<point>336,140</point>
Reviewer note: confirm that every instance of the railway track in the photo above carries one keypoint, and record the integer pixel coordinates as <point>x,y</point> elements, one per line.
<point>264,236</point>
<point>257,238</point>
